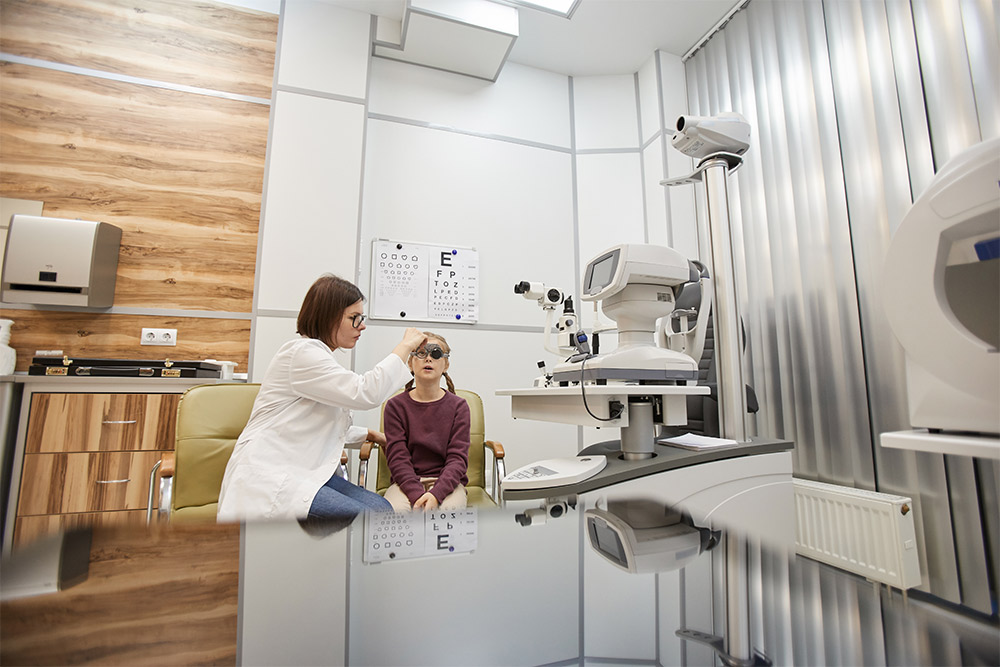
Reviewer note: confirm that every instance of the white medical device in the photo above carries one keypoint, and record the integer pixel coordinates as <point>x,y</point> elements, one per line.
<point>548,298</point>
<point>554,472</point>
<point>636,285</point>
<point>701,136</point>
<point>942,299</point>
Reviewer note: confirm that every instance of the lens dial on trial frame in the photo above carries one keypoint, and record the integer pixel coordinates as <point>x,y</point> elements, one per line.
<point>433,351</point>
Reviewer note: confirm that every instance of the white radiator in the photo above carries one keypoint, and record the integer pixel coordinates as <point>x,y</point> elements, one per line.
<point>860,531</point>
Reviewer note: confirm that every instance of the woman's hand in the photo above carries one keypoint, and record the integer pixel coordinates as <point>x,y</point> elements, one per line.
<point>412,339</point>
<point>377,437</point>
<point>426,502</point>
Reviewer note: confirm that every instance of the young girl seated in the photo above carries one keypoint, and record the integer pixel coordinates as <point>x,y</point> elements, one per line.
<point>427,435</point>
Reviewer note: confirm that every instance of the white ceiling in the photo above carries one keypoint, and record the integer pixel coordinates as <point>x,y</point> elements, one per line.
<point>603,37</point>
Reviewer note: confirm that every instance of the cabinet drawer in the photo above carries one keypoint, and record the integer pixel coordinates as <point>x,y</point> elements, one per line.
<point>85,482</point>
<point>74,422</point>
<point>30,528</point>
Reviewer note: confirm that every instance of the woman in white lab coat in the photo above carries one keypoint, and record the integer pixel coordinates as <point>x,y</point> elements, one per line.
<point>284,462</point>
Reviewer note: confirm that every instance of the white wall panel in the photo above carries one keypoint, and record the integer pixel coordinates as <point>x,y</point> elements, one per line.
<point>609,199</point>
<point>511,202</point>
<point>673,83</point>
<point>297,618</point>
<point>324,48</point>
<point>656,194</point>
<point>270,333</point>
<point>483,362</point>
<point>311,209</point>
<point>649,99</point>
<point>683,217</point>
<point>525,103</point>
<point>605,112</point>
<point>607,591</point>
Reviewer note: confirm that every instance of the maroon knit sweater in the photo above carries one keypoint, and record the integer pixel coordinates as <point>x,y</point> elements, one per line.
<point>427,440</point>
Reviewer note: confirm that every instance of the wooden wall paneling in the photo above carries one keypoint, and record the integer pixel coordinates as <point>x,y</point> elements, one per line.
<point>180,173</point>
<point>203,44</point>
<point>75,422</point>
<point>30,528</point>
<point>168,596</point>
<point>66,483</point>
<point>116,336</point>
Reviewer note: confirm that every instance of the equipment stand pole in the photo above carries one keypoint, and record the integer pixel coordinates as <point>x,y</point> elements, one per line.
<point>727,323</point>
<point>731,392</point>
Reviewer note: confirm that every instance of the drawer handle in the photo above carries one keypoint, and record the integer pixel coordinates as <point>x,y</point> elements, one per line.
<point>113,481</point>
<point>123,421</point>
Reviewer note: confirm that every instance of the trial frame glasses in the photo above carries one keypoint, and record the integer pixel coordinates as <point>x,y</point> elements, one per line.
<point>432,351</point>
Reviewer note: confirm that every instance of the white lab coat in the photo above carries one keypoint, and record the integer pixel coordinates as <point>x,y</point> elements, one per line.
<point>300,422</point>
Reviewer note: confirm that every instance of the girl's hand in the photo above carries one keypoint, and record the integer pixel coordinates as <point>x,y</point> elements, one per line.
<point>426,502</point>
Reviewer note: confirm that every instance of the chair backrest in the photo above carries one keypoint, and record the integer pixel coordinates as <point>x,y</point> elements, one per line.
<point>210,418</point>
<point>477,451</point>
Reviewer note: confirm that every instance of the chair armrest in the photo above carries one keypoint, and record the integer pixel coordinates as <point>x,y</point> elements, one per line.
<point>495,447</point>
<point>366,450</point>
<point>167,463</point>
<point>165,468</point>
<point>499,471</point>
<point>363,456</point>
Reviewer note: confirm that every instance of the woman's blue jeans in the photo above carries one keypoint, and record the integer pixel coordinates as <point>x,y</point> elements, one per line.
<point>339,499</point>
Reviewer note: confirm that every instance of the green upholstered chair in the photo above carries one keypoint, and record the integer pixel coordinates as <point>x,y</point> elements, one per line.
<point>478,495</point>
<point>210,418</point>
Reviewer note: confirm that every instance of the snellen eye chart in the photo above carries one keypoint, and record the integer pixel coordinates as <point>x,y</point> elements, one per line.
<point>420,281</point>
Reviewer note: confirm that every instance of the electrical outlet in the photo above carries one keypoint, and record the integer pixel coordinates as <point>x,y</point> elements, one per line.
<point>159,337</point>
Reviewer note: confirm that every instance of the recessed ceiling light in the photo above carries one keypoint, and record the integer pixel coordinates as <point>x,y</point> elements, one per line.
<point>563,8</point>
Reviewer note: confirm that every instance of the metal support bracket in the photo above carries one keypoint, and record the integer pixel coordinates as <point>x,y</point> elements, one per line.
<point>733,163</point>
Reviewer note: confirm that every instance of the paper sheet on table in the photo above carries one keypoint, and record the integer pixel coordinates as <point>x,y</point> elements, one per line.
<point>697,442</point>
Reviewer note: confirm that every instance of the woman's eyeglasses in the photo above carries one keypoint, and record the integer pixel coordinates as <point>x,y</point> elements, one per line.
<point>432,351</point>
<point>357,321</point>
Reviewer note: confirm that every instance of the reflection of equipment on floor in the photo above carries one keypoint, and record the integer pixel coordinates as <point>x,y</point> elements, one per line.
<point>941,291</point>
<point>551,508</point>
<point>641,536</point>
<point>52,564</point>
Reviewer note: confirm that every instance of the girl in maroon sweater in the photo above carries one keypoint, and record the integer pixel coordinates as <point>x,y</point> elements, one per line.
<point>427,435</point>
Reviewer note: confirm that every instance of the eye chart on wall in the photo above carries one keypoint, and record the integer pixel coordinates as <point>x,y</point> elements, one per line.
<point>421,281</point>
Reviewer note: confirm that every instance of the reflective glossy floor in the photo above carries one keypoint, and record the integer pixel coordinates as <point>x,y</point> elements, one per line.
<point>532,588</point>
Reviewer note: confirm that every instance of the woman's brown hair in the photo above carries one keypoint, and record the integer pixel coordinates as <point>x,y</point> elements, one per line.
<point>324,306</point>
<point>447,350</point>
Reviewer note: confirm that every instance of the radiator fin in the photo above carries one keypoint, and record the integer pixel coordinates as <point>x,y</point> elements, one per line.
<point>865,532</point>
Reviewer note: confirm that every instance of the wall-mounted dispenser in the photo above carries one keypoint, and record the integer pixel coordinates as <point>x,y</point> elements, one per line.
<point>60,262</point>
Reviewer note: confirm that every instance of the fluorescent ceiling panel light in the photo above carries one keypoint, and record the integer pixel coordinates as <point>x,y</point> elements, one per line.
<point>563,8</point>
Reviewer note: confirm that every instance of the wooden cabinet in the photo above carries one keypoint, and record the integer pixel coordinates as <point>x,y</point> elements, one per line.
<point>87,458</point>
